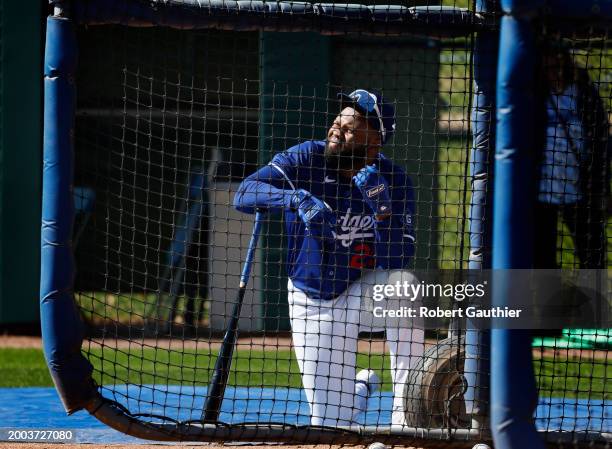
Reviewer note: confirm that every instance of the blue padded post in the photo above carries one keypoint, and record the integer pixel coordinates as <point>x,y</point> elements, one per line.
<point>60,320</point>
<point>513,389</point>
<point>477,342</point>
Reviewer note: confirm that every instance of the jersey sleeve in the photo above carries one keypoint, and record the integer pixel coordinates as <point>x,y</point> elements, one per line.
<point>395,236</point>
<point>271,186</point>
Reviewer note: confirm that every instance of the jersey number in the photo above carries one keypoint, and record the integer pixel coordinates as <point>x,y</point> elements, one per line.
<point>364,257</point>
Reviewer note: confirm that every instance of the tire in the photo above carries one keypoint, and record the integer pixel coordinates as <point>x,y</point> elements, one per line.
<point>436,382</point>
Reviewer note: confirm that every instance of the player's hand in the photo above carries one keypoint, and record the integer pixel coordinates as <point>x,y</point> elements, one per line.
<point>316,215</point>
<point>375,190</point>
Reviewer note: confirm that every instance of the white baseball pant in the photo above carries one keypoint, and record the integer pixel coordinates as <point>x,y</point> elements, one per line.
<point>325,335</point>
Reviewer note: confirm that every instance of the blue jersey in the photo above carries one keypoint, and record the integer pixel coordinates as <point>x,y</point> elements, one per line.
<point>565,150</point>
<point>320,268</point>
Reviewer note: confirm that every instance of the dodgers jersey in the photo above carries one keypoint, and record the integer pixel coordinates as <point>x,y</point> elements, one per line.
<point>323,268</point>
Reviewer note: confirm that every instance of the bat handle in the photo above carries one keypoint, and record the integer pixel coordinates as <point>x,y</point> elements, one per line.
<point>246,268</point>
<point>214,400</point>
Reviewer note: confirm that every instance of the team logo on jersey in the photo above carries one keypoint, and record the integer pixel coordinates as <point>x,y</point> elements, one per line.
<point>353,227</point>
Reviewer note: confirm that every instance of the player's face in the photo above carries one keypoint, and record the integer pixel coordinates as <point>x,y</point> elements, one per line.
<point>348,140</point>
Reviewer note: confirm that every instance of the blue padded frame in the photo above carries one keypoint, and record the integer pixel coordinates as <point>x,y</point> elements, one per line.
<point>477,341</point>
<point>513,389</point>
<point>60,320</point>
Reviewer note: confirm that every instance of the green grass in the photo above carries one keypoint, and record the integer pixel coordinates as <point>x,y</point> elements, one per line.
<point>582,378</point>
<point>27,367</point>
<point>189,367</point>
<point>452,155</point>
<point>23,368</point>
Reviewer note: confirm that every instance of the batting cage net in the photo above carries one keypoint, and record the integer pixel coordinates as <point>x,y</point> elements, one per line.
<point>572,231</point>
<point>201,151</point>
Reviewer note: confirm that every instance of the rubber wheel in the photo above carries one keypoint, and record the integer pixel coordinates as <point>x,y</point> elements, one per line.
<point>433,396</point>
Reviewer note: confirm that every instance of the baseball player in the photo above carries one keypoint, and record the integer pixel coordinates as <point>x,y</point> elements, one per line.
<point>348,215</point>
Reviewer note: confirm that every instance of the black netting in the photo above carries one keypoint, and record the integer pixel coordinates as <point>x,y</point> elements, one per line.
<point>572,217</point>
<point>170,123</point>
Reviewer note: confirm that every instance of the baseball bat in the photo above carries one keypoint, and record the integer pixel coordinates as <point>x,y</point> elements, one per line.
<point>216,390</point>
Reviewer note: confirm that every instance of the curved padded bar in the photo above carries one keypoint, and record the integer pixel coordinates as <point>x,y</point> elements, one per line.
<point>246,15</point>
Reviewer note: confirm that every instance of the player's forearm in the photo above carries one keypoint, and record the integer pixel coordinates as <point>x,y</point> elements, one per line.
<point>394,245</point>
<point>252,195</point>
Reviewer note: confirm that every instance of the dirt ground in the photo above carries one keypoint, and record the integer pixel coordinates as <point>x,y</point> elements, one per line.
<point>165,446</point>
<point>262,343</point>
<point>252,343</point>
<point>188,446</point>
<point>18,341</point>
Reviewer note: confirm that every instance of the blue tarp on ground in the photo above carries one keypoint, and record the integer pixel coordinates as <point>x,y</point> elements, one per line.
<point>41,408</point>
